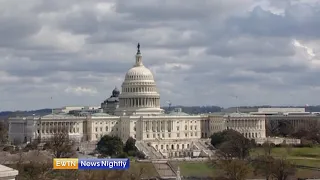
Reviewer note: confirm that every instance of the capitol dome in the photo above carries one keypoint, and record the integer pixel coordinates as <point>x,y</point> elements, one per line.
<point>139,73</point>
<point>139,93</point>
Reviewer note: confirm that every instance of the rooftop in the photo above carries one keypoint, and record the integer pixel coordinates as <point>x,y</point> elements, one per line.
<point>101,115</point>
<point>241,115</point>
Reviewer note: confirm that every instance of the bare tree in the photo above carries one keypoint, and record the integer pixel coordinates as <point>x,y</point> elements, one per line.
<point>61,145</point>
<point>263,165</point>
<point>3,133</point>
<point>267,148</point>
<point>309,131</point>
<point>282,169</point>
<point>36,170</point>
<point>233,169</point>
<point>281,127</point>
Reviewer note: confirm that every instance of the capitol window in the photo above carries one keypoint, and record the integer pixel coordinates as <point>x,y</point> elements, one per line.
<point>186,127</point>
<point>107,128</point>
<point>177,128</point>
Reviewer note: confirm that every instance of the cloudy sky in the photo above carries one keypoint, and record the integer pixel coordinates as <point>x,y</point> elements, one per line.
<point>202,52</point>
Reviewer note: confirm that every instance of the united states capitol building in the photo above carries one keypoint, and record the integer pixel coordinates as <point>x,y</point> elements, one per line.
<point>135,112</point>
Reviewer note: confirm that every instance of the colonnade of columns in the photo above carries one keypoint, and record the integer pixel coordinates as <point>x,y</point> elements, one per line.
<point>52,127</point>
<point>247,124</point>
<point>158,126</point>
<point>140,102</point>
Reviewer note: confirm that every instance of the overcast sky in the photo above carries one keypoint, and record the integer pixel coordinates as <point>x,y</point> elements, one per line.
<point>202,52</point>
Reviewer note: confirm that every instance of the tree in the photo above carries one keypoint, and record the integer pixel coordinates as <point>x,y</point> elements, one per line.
<point>280,127</point>
<point>233,169</point>
<point>263,165</point>
<point>309,132</point>
<point>282,169</point>
<point>231,144</point>
<point>130,146</point>
<point>60,145</point>
<point>267,148</point>
<point>3,133</point>
<point>218,138</point>
<point>36,170</point>
<point>110,146</point>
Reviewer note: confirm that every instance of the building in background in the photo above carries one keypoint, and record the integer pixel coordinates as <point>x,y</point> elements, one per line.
<point>136,112</point>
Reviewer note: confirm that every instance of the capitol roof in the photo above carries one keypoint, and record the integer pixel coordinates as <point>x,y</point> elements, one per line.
<point>101,115</point>
<point>59,116</point>
<point>239,114</point>
<point>173,113</point>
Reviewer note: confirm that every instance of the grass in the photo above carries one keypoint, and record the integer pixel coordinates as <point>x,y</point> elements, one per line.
<point>307,162</point>
<point>290,153</point>
<point>298,156</point>
<point>149,171</point>
<point>194,168</point>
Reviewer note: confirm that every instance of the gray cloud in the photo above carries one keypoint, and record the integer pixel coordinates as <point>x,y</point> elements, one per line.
<point>15,29</point>
<point>259,22</point>
<point>201,52</point>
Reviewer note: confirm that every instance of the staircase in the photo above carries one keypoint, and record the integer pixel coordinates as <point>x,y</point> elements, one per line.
<point>207,149</point>
<point>148,151</point>
<point>164,170</point>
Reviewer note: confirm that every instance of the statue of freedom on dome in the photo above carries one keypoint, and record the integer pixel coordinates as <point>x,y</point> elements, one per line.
<point>138,46</point>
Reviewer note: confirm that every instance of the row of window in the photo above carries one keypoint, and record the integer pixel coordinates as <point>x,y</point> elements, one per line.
<point>107,129</point>
<point>172,147</point>
<point>192,134</point>
<point>162,128</point>
<point>139,77</point>
<point>55,130</point>
<point>58,124</point>
<point>112,122</point>
<point>139,89</point>
<point>100,136</point>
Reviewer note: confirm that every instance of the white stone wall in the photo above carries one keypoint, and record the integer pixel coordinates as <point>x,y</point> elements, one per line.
<point>171,127</point>
<point>252,126</point>
<point>217,124</point>
<point>100,126</point>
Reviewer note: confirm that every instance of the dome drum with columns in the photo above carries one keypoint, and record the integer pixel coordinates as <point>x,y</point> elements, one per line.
<point>139,92</point>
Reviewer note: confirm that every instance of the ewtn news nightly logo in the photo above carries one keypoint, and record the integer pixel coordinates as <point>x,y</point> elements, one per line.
<point>74,163</point>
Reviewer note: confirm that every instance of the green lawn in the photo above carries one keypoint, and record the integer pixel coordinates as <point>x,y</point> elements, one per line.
<point>147,168</point>
<point>307,162</point>
<point>194,168</point>
<point>204,169</point>
<point>291,152</point>
<point>297,155</point>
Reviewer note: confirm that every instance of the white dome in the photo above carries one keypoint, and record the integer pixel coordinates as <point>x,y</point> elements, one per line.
<point>139,73</point>
<point>139,93</point>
